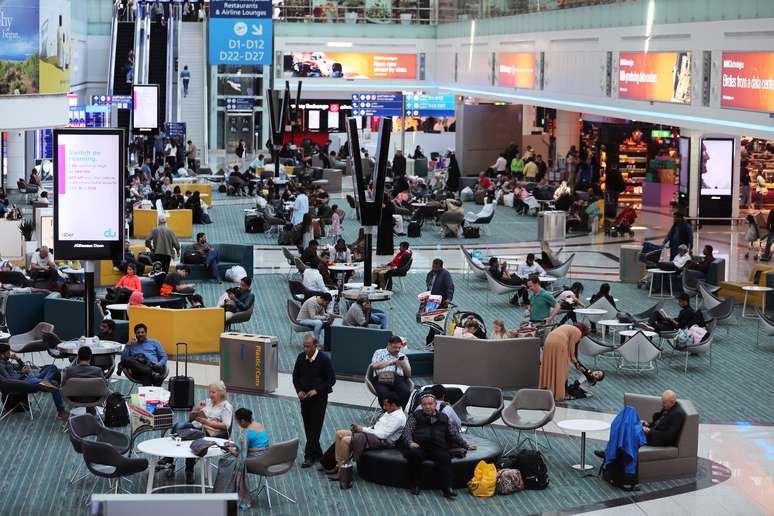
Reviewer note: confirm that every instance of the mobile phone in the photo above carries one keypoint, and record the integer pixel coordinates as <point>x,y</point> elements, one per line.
<point>401,357</point>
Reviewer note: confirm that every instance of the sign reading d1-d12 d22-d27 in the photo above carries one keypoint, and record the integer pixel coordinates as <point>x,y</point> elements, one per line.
<point>240,41</point>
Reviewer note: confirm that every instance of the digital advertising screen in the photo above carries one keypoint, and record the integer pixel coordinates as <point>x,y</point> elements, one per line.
<point>717,166</point>
<point>88,194</point>
<point>655,76</point>
<point>145,107</point>
<point>350,65</point>
<point>516,70</point>
<point>685,163</point>
<point>748,81</point>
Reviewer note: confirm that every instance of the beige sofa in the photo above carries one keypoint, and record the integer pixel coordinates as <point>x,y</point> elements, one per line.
<point>667,462</point>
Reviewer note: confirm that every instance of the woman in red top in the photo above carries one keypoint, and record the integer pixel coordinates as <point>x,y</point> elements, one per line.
<point>130,280</point>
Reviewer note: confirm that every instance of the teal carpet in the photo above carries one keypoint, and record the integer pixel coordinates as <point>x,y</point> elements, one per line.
<point>721,393</point>
<point>228,226</point>
<point>43,461</point>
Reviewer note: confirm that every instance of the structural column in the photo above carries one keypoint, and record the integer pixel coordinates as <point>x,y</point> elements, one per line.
<point>567,131</point>
<point>17,168</point>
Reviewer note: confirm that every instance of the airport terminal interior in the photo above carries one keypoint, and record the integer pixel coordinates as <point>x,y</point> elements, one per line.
<point>326,257</point>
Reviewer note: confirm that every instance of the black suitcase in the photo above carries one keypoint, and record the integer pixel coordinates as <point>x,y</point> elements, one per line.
<point>181,388</point>
<point>254,224</point>
<point>414,229</point>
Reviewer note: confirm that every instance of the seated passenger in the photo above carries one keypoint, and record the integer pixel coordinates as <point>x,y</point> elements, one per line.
<point>430,435</point>
<point>687,317</point>
<point>83,368</point>
<point>130,280</point>
<point>530,266</point>
<point>569,300</point>
<point>700,268</point>
<point>238,299</point>
<point>361,314</point>
<point>383,434</point>
<point>439,392</point>
<point>384,273</point>
<point>173,282</point>
<point>314,313</point>
<point>46,380</point>
<point>209,255</point>
<point>391,370</point>
<point>144,357</point>
<point>470,329</point>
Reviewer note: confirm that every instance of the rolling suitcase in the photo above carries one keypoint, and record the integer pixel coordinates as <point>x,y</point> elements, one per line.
<point>181,388</point>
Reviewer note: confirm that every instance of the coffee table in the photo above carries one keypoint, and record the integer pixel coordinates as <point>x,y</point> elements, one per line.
<point>168,447</point>
<point>613,324</point>
<point>662,273</point>
<point>754,288</point>
<point>592,314</point>
<point>583,426</point>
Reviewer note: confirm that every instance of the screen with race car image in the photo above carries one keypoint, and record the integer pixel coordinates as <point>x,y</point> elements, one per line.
<point>350,65</point>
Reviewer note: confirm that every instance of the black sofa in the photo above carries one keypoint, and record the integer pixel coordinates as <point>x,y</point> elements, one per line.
<point>228,256</point>
<point>152,297</point>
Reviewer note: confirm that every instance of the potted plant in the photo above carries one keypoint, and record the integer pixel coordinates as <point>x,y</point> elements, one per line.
<point>27,227</point>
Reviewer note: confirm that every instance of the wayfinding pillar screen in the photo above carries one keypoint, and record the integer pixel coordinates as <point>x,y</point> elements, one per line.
<point>88,205</point>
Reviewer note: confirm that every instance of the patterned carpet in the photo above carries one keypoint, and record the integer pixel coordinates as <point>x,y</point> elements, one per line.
<point>721,392</point>
<point>45,462</point>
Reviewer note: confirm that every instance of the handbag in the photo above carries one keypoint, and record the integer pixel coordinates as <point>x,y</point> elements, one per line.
<point>199,447</point>
<point>484,480</point>
<point>190,434</point>
<point>386,377</point>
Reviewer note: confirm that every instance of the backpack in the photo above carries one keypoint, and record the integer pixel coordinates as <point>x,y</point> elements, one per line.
<point>471,232</point>
<point>414,229</point>
<point>194,257</point>
<point>509,481</point>
<point>116,413</point>
<point>616,476</point>
<point>222,188</point>
<point>533,469</point>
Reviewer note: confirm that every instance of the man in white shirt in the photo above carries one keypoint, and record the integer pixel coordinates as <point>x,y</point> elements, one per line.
<point>501,164</point>
<point>300,207</point>
<point>530,267</point>
<point>383,434</point>
<point>313,280</point>
<point>42,265</point>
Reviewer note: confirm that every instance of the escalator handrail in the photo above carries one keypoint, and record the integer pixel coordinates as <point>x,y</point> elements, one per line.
<point>112,58</point>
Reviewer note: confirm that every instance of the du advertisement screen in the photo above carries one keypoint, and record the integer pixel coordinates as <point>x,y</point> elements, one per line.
<point>88,194</point>
<point>748,81</point>
<point>516,70</point>
<point>655,76</point>
<point>717,166</point>
<point>145,107</point>
<point>35,47</point>
<point>349,65</point>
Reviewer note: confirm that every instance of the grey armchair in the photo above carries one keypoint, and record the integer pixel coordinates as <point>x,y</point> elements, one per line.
<point>292,310</point>
<point>84,392</point>
<point>497,287</point>
<point>724,312</point>
<point>291,259</point>
<point>562,270</point>
<point>16,393</point>
<point>239,317</point>
<point>31,341</point>
<point>708,298</point>
<point>530,410</point>
<point>473,267</point>
<point>87,428</point>
<point>767,323</point>
<point>103,461</point>
<point>277,460</point>
<point>480,397</point>
<point>667,462</point>
<point>592,347</point>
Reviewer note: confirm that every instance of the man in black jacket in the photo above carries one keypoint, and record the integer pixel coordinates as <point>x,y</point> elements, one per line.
<point>429,435</point>
<point>398,164</point>
<point>667,423</point>
<point>313,379</point>
<point>439,282</point>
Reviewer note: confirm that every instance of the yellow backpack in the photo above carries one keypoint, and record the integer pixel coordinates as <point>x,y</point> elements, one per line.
<point>484,480</point>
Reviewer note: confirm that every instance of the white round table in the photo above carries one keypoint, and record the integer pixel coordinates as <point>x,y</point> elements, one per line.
<point>615,299</point>
<point>167,447</point>
<point>70,270</point>
<point>592,314</point>
<point>583,426</point>
<point>613,324</point>
<point>119,307</point>
<point>662,273</point>
<point>547,279</point>
<point>103,347</point>
<point>373,295</point>
<point>754,288</point>
<point>343,267</point>
<point>418,204</point>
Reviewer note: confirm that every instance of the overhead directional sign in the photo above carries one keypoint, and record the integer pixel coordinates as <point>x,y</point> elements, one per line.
<point>377,104</point>
<point>240,9</point>
<point>429,105</point>
<point>239,104</point>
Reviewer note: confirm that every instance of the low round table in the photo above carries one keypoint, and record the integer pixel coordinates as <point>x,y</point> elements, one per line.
<point>373,295</point>
<point>583,426</point>
<point>343,268</point>
<point>547,279</point>
<point>663,274</point>
<point>754,288</point>
<point>592,314</point>
<point>167,447</point>
<point>119,307</point>
<point>70,270</point>
<point>613,324</point>
<point>418,204</point>
<point>104,347</point>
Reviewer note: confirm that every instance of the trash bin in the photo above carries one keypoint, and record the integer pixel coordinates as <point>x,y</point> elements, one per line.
<point>630,268</point>
<point>552,225</point>
<point>248,363</point>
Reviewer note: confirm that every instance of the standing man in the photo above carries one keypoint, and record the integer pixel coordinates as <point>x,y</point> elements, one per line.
<point>300,207</point>
<point>191,153</point>
<point>163,243</point>
<point>439,283</point>
<point>313,379</point>
<point>543,307</point>
<point>185,76</point>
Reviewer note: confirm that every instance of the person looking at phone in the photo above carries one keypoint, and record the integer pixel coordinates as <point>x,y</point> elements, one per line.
<point>391,370</point>
<point>144,357</point>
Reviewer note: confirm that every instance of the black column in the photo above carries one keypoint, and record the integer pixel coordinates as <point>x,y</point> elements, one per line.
<point>90,297</point>
<point>368,251</point>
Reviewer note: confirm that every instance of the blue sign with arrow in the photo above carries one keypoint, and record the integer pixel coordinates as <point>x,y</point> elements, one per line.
<point>240,41</point>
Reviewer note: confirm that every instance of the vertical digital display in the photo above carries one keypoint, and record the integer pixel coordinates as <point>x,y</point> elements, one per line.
<point>717,166</point>
<point>145,107</point>
<point>685,164</point>
<point>88,193</point>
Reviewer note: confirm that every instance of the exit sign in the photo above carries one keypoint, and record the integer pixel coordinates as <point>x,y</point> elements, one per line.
<point>656,133</point>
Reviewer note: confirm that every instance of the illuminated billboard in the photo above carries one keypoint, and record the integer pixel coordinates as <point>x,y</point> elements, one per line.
<point>655,76</point>
<point>748,81</point>
<point>145,107</point>
<point>350,65</point>
<point>516,70</point>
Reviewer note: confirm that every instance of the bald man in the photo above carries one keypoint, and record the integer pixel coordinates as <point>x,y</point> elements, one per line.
<point>667,423</point>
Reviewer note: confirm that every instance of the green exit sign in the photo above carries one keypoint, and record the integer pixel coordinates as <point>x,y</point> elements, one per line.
<point>656,133</point>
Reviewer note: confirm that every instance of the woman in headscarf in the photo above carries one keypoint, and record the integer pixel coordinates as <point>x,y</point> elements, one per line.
<point>453,179</point>
<point>559,350</point>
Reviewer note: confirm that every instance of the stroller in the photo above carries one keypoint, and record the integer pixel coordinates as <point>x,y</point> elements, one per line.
<point>459,317</point>
<point>623,223</point>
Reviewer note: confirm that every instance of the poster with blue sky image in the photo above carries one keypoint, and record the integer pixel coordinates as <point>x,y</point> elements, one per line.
<point>19,44</point>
